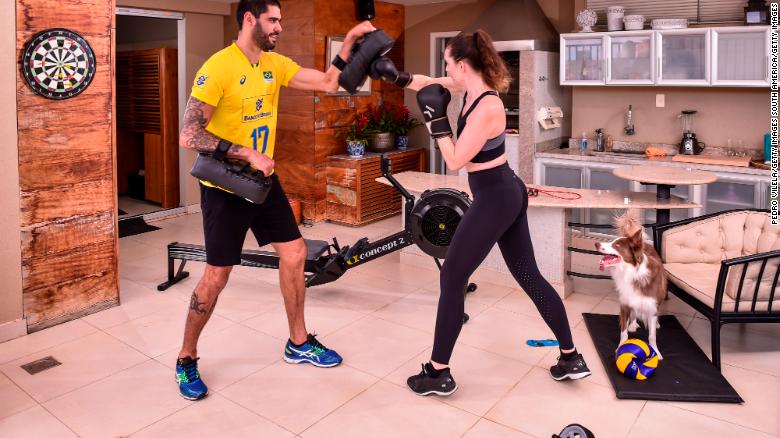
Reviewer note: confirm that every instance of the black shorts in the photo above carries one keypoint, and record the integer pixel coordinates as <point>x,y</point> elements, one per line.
<point>227,217</point>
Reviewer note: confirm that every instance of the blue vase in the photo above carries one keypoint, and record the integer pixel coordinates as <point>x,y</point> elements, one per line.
<point>356,148</point>
<point>402,141</point>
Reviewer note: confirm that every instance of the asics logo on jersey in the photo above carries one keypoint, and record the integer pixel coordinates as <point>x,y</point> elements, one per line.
<point>201,80</point>
<point>243,79</point>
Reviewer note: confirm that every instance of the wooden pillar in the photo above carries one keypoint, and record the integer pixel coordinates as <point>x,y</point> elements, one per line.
<point>308,121</point>
<point>66,175</point>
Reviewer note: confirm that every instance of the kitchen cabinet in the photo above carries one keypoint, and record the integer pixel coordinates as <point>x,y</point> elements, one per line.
<point>675,214</point>
<point>740,56</point>
<point>630,58</point>
<point>561,176</point>
<point>766,191</point>
<point>683,57</point>
<point>601,178</point>
<point>732,190</point>
<point>586,175</point>
<point>701,57</point>
<point>569,176</point>
<point>582,60</point>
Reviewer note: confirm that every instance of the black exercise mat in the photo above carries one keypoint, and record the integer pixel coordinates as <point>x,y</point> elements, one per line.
<point>122,212</point>
<point>685,373</point>
<point>134,225</point>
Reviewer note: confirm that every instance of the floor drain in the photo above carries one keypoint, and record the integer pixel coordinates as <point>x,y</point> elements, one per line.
<point>39,365</point>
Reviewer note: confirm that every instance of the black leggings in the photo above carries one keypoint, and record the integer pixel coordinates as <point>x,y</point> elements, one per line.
<point>497,214</point>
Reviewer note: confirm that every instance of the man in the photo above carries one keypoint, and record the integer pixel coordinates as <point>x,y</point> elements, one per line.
<point>233,105</point>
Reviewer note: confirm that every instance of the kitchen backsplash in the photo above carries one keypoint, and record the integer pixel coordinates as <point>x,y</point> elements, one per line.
<point>670,149</point>
<point>723,114</point>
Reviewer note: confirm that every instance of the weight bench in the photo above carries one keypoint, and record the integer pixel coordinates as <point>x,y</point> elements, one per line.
<point>317,256</point>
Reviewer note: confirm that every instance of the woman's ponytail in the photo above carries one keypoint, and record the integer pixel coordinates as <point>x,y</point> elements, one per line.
<point>477,49</point>
<point>494,69</point>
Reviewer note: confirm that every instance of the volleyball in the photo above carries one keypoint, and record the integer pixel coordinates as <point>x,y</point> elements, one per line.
<point>635,359</point>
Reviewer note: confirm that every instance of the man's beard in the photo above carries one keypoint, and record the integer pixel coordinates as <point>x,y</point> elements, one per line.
<point>263,40</point>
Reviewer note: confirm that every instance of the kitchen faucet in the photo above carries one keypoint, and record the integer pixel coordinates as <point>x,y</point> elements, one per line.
<point>629,129</point>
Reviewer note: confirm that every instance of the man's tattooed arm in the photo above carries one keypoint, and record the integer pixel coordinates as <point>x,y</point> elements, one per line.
<point>193,132</point>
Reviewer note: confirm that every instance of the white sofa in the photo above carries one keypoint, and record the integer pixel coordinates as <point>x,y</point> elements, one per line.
<point>725,265</point>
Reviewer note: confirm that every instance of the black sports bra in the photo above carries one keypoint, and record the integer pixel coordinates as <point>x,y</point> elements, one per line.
<point>492,148</point>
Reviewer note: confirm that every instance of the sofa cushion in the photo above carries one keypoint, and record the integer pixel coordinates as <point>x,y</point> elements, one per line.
<point>760,235</point>
<point>701,279</point>
<point>698,242</point>
<point>727,236</point>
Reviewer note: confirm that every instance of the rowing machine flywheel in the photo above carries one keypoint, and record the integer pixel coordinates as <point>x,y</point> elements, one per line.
<point>435,217</point>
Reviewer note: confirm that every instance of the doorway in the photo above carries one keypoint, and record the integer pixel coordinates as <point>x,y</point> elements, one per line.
<point>147,112</point>
<point>438,69</point>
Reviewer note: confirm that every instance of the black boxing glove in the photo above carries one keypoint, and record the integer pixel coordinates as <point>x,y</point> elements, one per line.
<point>374,44</point>
<point>433,100</point>
<point>384,68</point>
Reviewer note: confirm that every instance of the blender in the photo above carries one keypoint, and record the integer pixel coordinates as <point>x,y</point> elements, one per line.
<point>689,145</point>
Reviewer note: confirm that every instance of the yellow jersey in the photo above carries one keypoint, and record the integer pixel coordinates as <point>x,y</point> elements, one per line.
<point>245,96</point>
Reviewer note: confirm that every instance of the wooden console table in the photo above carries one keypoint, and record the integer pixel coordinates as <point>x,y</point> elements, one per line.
<point>354,197</point>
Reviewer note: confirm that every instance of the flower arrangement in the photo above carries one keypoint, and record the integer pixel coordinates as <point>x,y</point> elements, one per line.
<point>356,131</point>
<point>356,135</point>
<point>381,118</point>
<point>381,126</point>
<point>404,122</point>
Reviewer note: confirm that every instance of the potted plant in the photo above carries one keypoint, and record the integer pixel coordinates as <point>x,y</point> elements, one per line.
<point>404,122</point>
<point>380,127</point>
<point>356,135</point>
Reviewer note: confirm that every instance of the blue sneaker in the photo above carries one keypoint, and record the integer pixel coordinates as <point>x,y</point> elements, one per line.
<point>312,352</point>
<point>191,386</point>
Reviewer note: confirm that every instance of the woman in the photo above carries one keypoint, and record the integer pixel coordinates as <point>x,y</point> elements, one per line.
<point>498,213</point>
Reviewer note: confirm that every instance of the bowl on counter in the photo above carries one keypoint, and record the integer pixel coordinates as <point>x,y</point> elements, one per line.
<point>634,22</point>
<point>669,23</point>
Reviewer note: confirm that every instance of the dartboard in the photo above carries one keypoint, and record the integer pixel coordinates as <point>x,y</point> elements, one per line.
<point>58,63</point>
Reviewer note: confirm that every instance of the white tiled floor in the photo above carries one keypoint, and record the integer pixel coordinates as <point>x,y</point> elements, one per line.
<point>117,377</point>
<point>133,207</point>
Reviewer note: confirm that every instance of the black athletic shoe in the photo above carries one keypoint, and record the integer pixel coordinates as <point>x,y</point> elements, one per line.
<point>425,384</point>
<point>574,368</point>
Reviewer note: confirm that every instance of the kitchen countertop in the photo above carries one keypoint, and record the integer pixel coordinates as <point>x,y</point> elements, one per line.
<point>419,182</point>
<point>664,175</point>
<point>639,159</point>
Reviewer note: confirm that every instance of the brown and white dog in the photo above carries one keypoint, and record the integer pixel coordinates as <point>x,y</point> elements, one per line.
<point>639,277</point>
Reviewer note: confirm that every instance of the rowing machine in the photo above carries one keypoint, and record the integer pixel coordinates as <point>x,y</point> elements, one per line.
<point>429,223</point>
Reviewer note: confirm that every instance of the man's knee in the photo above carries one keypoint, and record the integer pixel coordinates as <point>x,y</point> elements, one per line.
<point>292,254</point>
<point>216,277</point>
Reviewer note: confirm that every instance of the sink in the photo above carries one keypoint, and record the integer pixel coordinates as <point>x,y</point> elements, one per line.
<point>636,155</point>
<point>639,155</point>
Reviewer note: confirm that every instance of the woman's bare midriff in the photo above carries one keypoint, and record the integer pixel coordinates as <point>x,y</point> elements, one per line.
<point>473,167</point>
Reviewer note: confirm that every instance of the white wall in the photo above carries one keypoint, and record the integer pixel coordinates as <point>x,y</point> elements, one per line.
<point>11,323</point>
